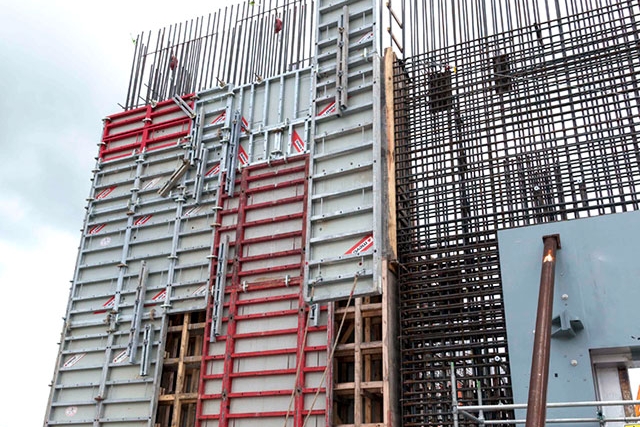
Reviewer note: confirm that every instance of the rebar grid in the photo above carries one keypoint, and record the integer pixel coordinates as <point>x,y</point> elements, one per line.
<point>237,45</point>
<point>531,125</point>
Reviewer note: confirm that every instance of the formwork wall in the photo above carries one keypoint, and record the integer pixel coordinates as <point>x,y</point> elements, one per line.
<point>513,115</point>
<point>221,227</point>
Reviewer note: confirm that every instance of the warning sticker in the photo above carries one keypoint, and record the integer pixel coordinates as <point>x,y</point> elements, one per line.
<point>120,357</point>
<point>105,241</point>
<point>96,229</point>
<point>142,220</point>
<point>194,210</point>
<point>363,245</point>
<point>329,109</point>
<point>70,411</point>
<point>201,290</point>
<point>244,126</point>
<point>107,305</point>
<point>242,156</point>
<point>73,360</point>
<point>213,171</point>
<point>297,142</point>
<point>151,184</point>
<point>219,119</point>
<point>160,296</point>
<point>365,37</point>
<point>104,193</point>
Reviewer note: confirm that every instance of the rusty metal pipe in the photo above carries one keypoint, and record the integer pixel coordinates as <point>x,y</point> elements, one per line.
<point>537,403</point>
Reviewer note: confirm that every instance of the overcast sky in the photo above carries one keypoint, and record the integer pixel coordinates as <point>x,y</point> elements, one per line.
<point>64,65</point>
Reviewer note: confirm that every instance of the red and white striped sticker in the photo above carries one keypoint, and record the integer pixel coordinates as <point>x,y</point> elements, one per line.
<point>200,291</point>
<point>329,109</point>
<point>96,229</point>
<point>120,357</point>
<point>213,171</point>
<point>151,184</point>
<point>220,118</point>
<point>242,156</point>
<point>142,220</point>
<point>107,305</point>
<point>104,193</point>
<point>367,36</point>
<point>297,142</point>
<point>73,360</point>
<point>363,245</point>
<point>244,126</point>
<point>194,210</point>
<point>160,296</point>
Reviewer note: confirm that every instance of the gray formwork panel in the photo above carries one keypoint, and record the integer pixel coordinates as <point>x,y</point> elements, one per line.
<point>111,346</point>
<point>344,241</point>
<point>129,224</point>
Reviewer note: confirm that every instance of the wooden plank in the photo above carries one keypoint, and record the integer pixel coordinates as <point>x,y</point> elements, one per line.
<point>367,365</point>
<point>184,342</point>
<point>357,369</point>
<point>389,59</point>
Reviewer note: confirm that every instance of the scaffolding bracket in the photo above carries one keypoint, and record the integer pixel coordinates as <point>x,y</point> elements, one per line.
<point>138,310</point>
<point>184,107</point>
<point>218,290</point>
<point>232,153</point>
<point>147,345</point>
<point>342,62</point>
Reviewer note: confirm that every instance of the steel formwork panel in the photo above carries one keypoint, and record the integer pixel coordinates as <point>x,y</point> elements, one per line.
<point>249,367</point>
<point>344,242</point>
<point>130,225</point>
<point>163,202</point>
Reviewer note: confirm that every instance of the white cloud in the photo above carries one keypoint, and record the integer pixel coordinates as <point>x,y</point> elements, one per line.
<point>12,209</point>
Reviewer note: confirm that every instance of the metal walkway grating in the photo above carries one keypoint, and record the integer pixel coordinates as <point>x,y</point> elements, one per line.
<point>535,124</point>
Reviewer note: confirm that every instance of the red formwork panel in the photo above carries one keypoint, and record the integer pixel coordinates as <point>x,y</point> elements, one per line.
<point>266,367</point>
<point>144,129</point>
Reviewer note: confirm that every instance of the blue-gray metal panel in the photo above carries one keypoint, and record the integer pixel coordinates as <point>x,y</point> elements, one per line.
<point>344,241</point>
<point>597,272</point>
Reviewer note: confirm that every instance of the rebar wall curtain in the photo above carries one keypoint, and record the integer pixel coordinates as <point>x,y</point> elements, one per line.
<point>509,113</point>
<point>239,44</point>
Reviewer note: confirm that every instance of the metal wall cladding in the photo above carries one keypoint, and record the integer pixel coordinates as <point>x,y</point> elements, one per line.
<point>344,241</point>
<point>142,254</point>
<point>265,359</point>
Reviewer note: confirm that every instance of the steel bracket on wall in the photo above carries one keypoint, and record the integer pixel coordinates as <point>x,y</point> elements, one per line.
<point>184,106</point>
<point>218,290</point>
<point>138,311</point>
<point>232,153</point>
<point>147,346</point>
<point>342,61</point>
